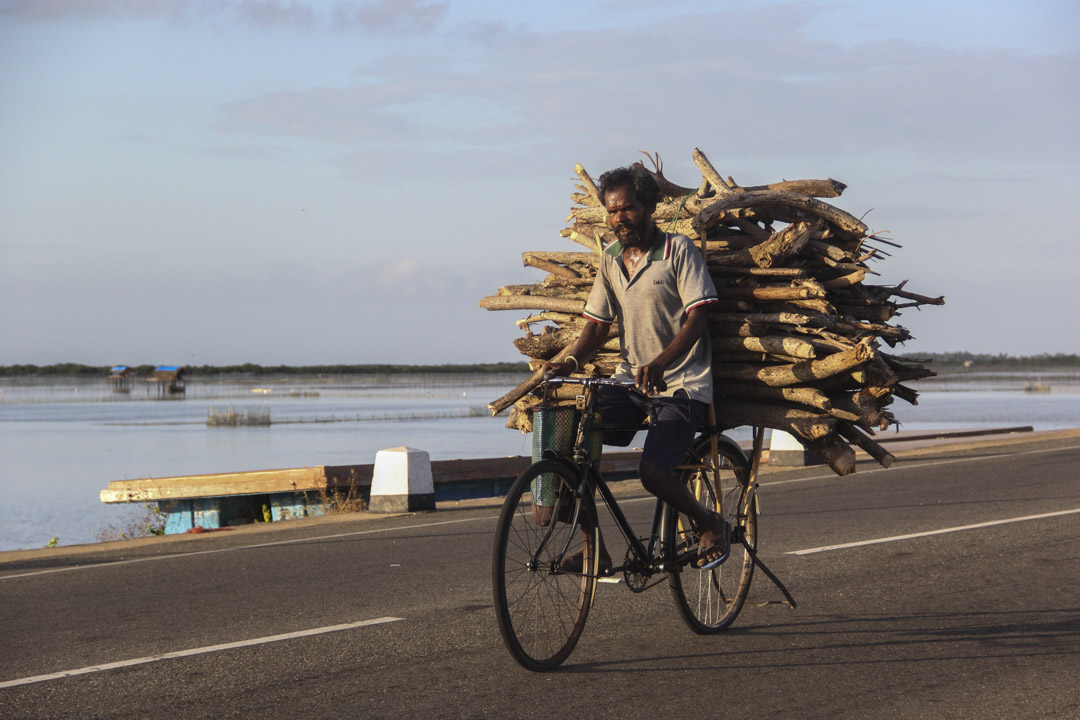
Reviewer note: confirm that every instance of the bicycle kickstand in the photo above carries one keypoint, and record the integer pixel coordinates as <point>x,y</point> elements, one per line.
<point>769,574</point>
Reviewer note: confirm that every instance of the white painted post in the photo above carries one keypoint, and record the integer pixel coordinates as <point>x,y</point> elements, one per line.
<point>784,449</point>
<point>401,481</point>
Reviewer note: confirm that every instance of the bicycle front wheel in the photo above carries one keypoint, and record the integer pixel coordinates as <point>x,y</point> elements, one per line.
<point>710,600</point>
<point>544,565</point>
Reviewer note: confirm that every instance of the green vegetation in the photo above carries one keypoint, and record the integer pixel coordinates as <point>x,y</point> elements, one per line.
<point>147,521</point>
<point>252,370</point>
<point>938,361</point>
<point>1002,361</point>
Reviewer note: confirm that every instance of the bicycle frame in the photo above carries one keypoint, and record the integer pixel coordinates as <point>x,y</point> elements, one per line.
<point>590,481</point>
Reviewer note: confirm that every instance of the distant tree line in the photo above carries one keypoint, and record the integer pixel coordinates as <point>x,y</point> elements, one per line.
<point>251,369</point>
<point>1002,360</point>
<point>937,360</point>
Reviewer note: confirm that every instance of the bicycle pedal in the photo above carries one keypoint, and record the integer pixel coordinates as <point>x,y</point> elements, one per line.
<point>718,561</point>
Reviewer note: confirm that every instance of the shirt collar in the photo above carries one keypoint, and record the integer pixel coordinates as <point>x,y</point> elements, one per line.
<point>659,250</point>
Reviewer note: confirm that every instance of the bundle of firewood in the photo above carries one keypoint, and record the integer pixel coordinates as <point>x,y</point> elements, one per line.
<point>796,337</point>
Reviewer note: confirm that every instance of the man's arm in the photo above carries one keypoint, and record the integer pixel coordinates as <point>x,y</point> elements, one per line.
<point>650,377</point>
<point>592,337</point>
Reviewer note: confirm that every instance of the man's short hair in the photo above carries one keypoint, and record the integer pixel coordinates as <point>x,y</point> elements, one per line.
<point>634,176</point>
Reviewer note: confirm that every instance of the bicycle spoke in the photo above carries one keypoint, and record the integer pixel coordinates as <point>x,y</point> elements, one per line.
<point>711,599</point>
<point>541,611</point>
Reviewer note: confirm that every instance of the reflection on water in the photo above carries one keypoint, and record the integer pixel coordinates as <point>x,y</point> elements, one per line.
<point>62,441</point>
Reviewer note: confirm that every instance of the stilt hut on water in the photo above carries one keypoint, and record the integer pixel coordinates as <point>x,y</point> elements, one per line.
<point>169,380</point>
<point>120,379</point>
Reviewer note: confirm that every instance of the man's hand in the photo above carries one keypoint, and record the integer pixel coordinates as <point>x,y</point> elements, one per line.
<point>650,379</point>
<point>590,339</point>
<point>557,369</point>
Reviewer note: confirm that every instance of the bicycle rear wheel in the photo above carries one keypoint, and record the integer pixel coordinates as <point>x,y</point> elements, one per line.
<point>710,600</point>
<point>542,605</point>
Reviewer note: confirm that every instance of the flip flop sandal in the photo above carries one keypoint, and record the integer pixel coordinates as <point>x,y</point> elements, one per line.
<point>708,558</point>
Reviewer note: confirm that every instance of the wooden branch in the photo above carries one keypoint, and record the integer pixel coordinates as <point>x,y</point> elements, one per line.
<point>834,452</point>
<point>780,205</point>
<point>778,318</point>
<point>873,313</point>
<point>561,319</point>
<point>796,373</point>
<point>871,448</point>
<point>726,270</point>
<point>905,393</point>
<point>875,374</point>
<point>816,305</point>
<point>532,302</point>
<point>769,293</point>
<point>809,396</point>
<point>860,407</point>
<point>591,237</point>
<point>547,344</point>
<point>793,347</point>
<point>920,299</point>
<point>774,251</point>
<point>550,342</point>
<point>590,186</point>
<point>551,291</point>
<point>758,233</point>
<point>531,260</point>
<point>845,281</point>
<point>709,173</point>
<point>558,281</point>
<point>780,416</point>
<point>815,188</point>
<point>524,388</point>
<point>668,188</point>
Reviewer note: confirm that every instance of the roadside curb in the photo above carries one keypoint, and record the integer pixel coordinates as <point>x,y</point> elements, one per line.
<point>918,445</point>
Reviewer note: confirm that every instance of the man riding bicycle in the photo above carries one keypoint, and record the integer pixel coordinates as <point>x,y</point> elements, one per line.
<point>657,287</point>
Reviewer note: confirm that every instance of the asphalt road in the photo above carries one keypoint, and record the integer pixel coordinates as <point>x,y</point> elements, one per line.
<point>962,602</point>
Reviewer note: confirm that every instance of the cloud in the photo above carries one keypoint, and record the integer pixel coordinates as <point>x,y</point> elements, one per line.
<point>268,13</point>
<point>367,115</point>
<point>749,83</point>
<point>94,9</point>
<point>379,15</point>
<point>403,15</point>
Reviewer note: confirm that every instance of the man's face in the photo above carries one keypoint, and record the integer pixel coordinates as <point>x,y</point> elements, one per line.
<point>626,215</point>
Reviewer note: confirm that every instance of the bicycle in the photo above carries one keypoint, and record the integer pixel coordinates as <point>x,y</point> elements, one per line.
<point>543,596</point>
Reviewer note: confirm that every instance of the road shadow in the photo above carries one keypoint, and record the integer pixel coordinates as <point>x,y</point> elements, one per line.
<point>871,640</point>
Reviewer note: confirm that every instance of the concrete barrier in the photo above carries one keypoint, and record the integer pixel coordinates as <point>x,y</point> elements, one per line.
<point>784,449</point>
<point>402,481</point>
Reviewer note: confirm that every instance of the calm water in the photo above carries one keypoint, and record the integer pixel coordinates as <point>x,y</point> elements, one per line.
<point>62,441</point>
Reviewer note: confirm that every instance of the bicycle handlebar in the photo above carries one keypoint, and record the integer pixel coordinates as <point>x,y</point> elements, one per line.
<point>590,381</point>
<point>593,382</point>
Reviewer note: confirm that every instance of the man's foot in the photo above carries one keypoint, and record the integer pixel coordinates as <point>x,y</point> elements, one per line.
<point>573,563</point>
<point>714,546</point>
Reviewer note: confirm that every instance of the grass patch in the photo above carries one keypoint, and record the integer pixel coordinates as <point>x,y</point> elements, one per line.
<point>147,521</point>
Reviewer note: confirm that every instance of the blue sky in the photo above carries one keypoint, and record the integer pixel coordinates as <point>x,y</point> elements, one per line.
<point>280,181</point>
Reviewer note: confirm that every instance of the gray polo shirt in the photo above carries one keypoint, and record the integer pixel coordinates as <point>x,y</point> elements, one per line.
<point>651,307</point>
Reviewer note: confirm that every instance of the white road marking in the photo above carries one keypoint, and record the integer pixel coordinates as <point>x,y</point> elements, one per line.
<point>173,556</point>
<point>915,466</point>
<point>960,528</point>
<point>196,651</point>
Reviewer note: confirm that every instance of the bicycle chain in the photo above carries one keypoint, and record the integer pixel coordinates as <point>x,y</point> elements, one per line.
<point>635,576</point>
